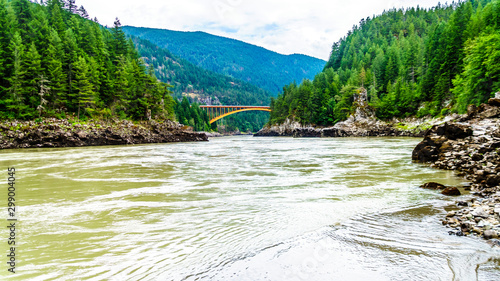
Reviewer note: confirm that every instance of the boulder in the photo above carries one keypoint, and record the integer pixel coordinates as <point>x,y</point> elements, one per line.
<point>425,153</point>
<point>471,110</point>
<point>493,180</point>
<point>451,191</point>
<point>433,185</point>
<point>452,131</point>
<point>81,134</point>
<point>490,234</point>
<point>490,113</point>
<point>479,213</point>
<point>494,101</point>
<point>432,146</point>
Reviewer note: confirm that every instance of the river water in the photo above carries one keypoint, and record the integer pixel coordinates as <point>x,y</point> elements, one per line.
<point>237,208</point>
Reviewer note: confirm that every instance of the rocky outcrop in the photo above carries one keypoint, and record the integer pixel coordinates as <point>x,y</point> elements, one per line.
<point>63,133</point>
<point>286,129</point>
<point>470,146</point>
<point>308,132</point>
<point>439,138</point>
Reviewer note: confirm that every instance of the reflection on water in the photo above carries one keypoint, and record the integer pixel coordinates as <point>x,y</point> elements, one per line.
<point>239,208</point>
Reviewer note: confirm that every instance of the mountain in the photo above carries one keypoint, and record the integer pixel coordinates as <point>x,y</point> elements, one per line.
<point>263,68</point>
<point>200,85</point>
<point>413,62</point>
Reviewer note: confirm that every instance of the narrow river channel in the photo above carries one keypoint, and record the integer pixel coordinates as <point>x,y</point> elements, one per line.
<point>237,208</point>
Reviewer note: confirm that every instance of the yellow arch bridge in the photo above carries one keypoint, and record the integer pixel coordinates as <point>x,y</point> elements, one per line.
<point>217,112</point>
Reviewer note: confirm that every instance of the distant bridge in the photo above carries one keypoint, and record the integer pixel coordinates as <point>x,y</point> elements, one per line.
<point>217,112</point>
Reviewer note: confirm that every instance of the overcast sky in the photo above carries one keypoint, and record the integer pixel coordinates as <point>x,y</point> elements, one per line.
<point>294,26</point>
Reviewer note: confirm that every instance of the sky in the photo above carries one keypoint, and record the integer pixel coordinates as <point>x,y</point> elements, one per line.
<point>285,26</point>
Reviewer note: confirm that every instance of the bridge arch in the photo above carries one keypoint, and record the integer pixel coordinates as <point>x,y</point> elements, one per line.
<point>217,112</point>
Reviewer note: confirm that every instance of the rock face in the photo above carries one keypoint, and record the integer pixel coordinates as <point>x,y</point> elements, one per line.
<point>308,132</point>
<point>470,146</point>
<point>62,133</point>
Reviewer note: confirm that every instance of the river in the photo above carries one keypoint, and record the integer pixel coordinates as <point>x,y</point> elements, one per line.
<point>237,208</point>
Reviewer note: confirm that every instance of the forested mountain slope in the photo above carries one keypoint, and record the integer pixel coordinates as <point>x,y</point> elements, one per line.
<point>412,62</point>
<point>54,61</point>
<point>263,68</point>
<point>200,85</point>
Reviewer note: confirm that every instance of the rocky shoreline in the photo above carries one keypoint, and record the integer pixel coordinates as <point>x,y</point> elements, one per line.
<point>52,132</point>
<point>350,128</point>
<point>470,145</point>
<point>363,123</point>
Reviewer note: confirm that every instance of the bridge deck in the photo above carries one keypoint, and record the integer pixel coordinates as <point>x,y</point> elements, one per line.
<point>217,112</point>
<point>233,106</point>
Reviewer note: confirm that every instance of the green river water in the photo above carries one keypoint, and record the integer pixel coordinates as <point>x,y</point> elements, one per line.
<point>236,208</point>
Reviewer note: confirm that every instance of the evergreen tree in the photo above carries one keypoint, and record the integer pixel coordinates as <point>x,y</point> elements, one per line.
<point>18,73</point>
<point>56,19</point>
<point>71,56</point>
<point>119,39</point>
<point>4,50</point>
<point>71,6</point>
<point>32,71</point>
<point>84,94</point>
<point>55,72</point>
<point>83,13</point>
<point>24,16</point>
<point>121,85</point>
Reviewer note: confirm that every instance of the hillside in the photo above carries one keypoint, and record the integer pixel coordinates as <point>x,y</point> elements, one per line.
<point>200,85</point>
<point>55,62</point>
<point>414,62</point>
<point>263,68</point>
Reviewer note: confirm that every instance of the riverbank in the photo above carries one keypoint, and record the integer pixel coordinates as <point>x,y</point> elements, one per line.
<point>470,146</point>
<point>363,123</point>
<point>52,132</point>
<point>354,127</point>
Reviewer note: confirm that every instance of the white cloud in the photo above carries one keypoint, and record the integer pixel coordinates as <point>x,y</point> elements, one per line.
<point>294,26</point>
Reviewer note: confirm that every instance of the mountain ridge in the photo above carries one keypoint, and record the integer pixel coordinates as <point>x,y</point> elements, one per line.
<point>224,37</point>
<point>187,78</point>
<point>245,61</point>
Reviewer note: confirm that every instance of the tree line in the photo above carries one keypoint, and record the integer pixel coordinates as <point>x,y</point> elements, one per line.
<point>55,61</point>
<point>413,62</point>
